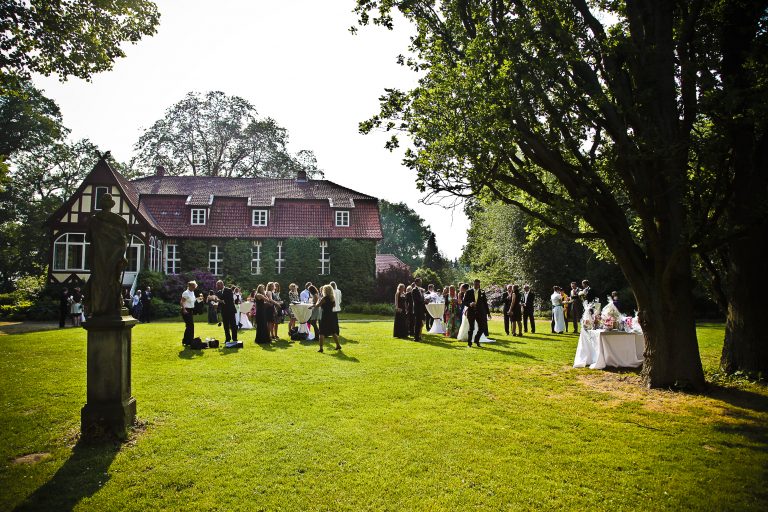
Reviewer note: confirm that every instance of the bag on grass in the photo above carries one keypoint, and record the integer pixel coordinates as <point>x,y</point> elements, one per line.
<point>198,344</point>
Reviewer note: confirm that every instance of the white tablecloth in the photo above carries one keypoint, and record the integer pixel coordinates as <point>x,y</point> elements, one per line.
<point>435,310</point>
<point>302,312</point>
<point>599,348</point>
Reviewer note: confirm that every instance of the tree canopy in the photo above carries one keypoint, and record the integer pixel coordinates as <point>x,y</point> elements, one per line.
<point>72,38</point>
<point>405,233</point>
<point>219,135</point>
<point>586,116</point>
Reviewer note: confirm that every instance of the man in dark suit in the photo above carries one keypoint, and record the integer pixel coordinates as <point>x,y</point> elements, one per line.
<point>527,301</point>
<point>146,304</point>
<point>419,309</point>
<point>63,307</point>
<point>228,310</point>
<point>589,294</point>
<point>577,307</point>
<point>506,303</point>
<point>478,311</point>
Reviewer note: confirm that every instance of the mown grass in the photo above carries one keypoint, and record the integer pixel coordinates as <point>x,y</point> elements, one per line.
<point>384,424</point>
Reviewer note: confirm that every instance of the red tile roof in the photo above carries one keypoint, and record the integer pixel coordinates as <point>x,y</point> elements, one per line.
<point>295,209</point>
<point>384,261</point>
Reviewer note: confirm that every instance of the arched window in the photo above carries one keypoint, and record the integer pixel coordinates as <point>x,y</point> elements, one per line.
<point>70,252</point>
<point>152,255</point>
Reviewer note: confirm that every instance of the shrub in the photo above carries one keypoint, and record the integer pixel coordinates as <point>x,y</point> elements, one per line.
<point>151,278</point>
<point>428,276</point>
<point>17,311</point>
<point>163,309</point>
<point>44,310</point>
<point>387,281</point>
<point>370,309</point>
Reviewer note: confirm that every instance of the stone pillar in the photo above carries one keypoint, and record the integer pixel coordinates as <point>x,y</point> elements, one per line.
<point>110,408</point>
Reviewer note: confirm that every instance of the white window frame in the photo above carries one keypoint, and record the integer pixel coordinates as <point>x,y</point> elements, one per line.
<point>152,253</point>
<point>342,218</point>
<point>215,260</point>
<point>260,218</point>
<point>196,222</point>
<point>59,245</point>
<point>96,196</point>
<point>325,259</point>
<point>256,259</point>
<point>280,260</point>
<point>172,259</point>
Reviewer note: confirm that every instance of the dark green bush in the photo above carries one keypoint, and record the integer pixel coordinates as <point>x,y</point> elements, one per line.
<point>162,309</point>
<point>369,309</point>
<point>44,310</point>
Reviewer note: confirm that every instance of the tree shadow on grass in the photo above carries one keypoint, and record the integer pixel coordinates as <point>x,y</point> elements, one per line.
<point>740,398</point>
<point>81,476</point>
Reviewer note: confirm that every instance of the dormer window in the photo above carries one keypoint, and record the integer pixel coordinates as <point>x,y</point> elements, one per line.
<point>98,194</point>
<point>259,218</point>
<point>342,218</point>
<point>198,216</point>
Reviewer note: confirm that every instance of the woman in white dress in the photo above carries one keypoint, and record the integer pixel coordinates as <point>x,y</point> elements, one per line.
<point>557,310</point>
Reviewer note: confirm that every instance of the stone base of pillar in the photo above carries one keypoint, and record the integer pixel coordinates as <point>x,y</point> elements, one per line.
<point>110,409</point>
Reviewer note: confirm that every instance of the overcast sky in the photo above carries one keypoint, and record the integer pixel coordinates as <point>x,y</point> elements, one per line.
<point>295,60</point>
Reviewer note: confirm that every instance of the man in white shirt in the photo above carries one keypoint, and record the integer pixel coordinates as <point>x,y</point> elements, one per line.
<point>304,296</point>
<point>337,296</point>
<point>187,304</point>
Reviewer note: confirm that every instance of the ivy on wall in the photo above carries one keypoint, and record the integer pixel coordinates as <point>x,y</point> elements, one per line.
<point>352,263</point>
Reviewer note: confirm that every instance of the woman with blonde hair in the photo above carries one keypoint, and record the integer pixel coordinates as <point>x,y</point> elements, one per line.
<point>328,320</point>
<point>262,305</point>
<point>401,319</point>
<point>270,311</point>
<point>293,298</point>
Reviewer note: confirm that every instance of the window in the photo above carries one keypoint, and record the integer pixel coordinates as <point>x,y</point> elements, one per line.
<point>280,260</point>
<point>172,259</point>
<point>342,218</point>
<point>134,255</point>
<point>325,259</point>
<point>198,216</point>
<point>215,260</point>
<point>70,252</point>
<point>100,191</point>
<point>259,218</point>
<point>152,253</point>
<point>256,259</point>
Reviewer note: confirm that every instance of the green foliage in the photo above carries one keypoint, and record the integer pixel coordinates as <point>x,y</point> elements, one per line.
<point>220,135</point>
<point>353,265</point>
<point>428,276</point>
<point>163,309</point>
<point>405,233</point>
<point>432,257</point>
<point>28,120</point>
<point>193,254</point>
<point>237,260</point>
<point>383,309</point>
<point>151,278</point>
<point>73,38</point>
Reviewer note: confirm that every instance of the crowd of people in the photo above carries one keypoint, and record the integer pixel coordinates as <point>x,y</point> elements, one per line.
<point>466,311</point>
<point>265,310</point>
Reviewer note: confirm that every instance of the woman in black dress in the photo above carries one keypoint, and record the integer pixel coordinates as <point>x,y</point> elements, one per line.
<point>401,320</point>
<point>516,312</point>
<point>328,320</point>
<point>261,306</point>
<point>410,320</point>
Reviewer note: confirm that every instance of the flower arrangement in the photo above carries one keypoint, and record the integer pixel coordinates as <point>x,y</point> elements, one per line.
<point>591,317</point>
<point>610,316</point>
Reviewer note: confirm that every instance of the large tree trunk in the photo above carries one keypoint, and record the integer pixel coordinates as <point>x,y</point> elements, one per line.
<point>746,344</point>
<point>665,306</point>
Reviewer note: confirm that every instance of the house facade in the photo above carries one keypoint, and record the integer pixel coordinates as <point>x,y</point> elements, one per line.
<point>246,230</point>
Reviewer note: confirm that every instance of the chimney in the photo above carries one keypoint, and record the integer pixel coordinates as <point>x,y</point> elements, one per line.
<point>160,171</point>
<point>301,176</point>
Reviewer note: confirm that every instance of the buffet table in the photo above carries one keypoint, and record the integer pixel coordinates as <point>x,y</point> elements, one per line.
<point>435,310</point>
<point>600,348</point>
<point>302,312</point>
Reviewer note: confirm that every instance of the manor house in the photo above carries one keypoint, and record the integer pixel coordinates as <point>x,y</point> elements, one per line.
<point>246,229</point>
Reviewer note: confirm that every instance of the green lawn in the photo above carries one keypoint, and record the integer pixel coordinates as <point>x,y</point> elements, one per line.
<point>384,424</point>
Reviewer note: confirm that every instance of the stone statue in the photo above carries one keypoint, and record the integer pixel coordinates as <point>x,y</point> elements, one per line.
<point>108,237</point>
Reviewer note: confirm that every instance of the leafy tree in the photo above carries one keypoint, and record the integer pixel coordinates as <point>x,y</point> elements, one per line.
<point>428,276</point>
<point>219,135</point>
<point>583,115</point>
<point>432,257</point>
<point>405,233</point>
<point>73,38</point>
<point>28,120</point>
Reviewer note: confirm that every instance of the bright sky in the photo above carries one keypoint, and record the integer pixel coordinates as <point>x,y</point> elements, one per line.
<point>295,60</point>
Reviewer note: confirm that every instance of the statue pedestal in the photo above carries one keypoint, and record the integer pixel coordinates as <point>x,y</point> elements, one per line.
<point>110,408</point>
